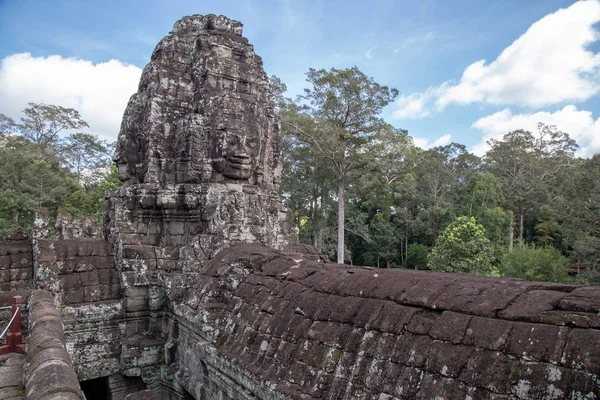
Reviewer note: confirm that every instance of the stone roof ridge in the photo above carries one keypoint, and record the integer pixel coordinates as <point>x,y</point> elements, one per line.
<point>196,24</point>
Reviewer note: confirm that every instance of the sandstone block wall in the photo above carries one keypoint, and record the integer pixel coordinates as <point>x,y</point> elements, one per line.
<point>86,284</point>
<point>313,330</point>
<point>50,373</point>
<point>16,265</point>
<point>92,308</point>
<point>87,271</point>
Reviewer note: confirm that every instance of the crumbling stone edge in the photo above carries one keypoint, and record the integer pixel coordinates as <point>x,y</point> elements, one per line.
<point>49,371</point>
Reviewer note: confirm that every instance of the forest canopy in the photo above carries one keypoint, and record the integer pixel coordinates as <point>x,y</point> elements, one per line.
<point>414,208</point>
<point>46,162</point>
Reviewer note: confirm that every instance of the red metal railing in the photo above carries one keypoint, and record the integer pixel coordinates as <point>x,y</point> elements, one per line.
<point>14,338</point>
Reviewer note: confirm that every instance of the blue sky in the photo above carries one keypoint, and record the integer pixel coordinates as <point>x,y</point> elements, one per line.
<point>541,57</point>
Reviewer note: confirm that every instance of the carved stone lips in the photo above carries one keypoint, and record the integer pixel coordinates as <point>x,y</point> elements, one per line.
<point>240,162</point>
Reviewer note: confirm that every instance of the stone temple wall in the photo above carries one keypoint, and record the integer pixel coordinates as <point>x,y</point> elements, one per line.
<point>50,372</point>
<point>86,286</point>
<point>284,326</point>
<point>16,265</point>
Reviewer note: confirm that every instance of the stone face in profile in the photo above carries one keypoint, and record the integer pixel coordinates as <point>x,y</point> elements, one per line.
<point>203,111</point>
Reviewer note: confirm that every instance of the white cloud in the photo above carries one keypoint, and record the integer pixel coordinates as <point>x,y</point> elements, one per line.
<point>370,54</point>
<point>98,91</point>
<point>416,105</point>
<point>425,144</point>
<point>548,64</point>
<point>579,124</point>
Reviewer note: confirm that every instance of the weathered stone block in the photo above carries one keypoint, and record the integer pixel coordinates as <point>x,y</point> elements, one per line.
<point>412,350</point>
<point>450,326</point>
<point>71,282</point>
<point>578,353</point>
<point>568,318</point>
<point>136,304</point>
<point>422,321</point>
<point>92,293</point>
<point>5,262</point>
<point>394,317</point>
<point>433,385</point>
<point>21,274</point>
<point>74,296</point>
<point>89,278</point>
<point>488,333</point>
<point>537,341</point>
<point>489,369</point>
<point>529,305</point>
<point>448,359</point>
<point>581,299</point>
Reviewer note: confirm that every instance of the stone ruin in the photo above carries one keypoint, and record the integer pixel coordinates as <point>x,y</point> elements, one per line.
<point>199,289</point>
<point>199,148</point>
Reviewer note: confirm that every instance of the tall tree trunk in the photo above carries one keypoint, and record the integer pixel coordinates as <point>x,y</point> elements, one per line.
<point>406,246</point>
<point>511,237</point>
<point>402,252</point>
<point>521,227</point>
<point>312,214</point>
<point>341,211</point>
<point>388,263</point>
<point>377,261</point>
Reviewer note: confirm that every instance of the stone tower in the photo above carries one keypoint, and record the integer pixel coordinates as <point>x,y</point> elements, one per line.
<point>200,159</point>
<point>199,146</point>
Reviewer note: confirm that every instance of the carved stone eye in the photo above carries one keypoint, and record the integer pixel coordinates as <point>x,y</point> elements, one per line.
<point>252,143</point>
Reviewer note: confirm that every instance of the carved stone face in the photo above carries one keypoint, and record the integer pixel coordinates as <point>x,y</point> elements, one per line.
<point>235,152</point>
<point>123,173</point>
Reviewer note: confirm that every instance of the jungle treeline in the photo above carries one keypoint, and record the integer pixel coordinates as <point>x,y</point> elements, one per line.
<point>529,208</point>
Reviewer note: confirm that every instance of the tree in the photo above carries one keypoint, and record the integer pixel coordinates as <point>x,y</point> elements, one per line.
<point>345,106</point>
<point>307,179</point>
<point>482,198</point>
<point>526,166</point>
<point>42,124</point>
<point>374,188</point>
<point>463,247</point>
<point>7,125</point>
<point>35,161</point>
<point>85,152</point>
<point>28,182</point>
<point>577,208</point>
<point>417,256</point>
<point>440,175</point>
<point>535,264</point>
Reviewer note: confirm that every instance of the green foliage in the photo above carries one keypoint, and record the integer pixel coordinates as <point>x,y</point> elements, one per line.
<point>383,240</point>
<point>85,155</point>
<point>528,167</point>
<point>39,167</point>
<point>463,247</point>
<point>328,127</point>
<point>589,277</point>
<point>535,264</point>
<point>577,208</point>
<point>27,183</point>
<point>417,256</point>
